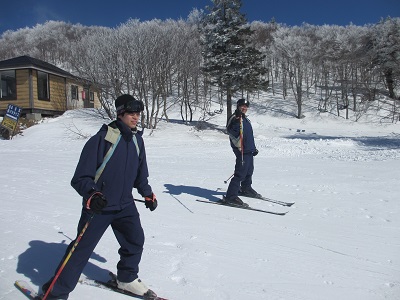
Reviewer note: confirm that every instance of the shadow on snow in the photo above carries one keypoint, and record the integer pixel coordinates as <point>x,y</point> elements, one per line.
<point>176,190</point>
<point>374,143</point>
<point>40,260</point>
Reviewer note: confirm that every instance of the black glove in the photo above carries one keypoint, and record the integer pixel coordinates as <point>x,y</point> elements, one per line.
<point>96,202</point>
<point>238,113</point>
<point>150,202</point>
<point>255,152</point>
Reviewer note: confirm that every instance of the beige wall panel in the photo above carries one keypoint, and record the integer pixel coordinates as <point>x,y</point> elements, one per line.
<point>57,94</point>
<point>23,86</point>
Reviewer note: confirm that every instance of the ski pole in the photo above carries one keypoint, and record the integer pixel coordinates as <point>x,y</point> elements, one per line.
<point>139,200</point>
<point>226,181</point>
<point>67,258</point>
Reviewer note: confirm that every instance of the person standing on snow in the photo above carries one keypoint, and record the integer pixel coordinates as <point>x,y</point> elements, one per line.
<point>107,200</point>
<point>242,142</point>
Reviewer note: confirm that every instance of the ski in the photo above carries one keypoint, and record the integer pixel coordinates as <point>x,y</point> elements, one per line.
<point>243,207</point>
<point>27,290</point>
<point>283,203</point>
<point>111,285</point>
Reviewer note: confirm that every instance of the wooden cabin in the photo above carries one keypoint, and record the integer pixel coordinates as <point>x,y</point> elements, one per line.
<point>42,89</point>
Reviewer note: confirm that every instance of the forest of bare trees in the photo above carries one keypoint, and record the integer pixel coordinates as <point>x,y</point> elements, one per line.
<point>160,62</point>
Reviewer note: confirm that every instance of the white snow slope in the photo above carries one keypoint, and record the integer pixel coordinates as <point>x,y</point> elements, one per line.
<point>341,240</point>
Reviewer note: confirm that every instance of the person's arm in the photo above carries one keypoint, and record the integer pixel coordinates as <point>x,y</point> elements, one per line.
<point>233,126</point>
<point>83,179</point>
<point>141,181</point>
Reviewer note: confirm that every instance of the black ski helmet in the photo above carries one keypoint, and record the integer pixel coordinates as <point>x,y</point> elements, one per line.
<point>127,103</point>
<point>242,101</point>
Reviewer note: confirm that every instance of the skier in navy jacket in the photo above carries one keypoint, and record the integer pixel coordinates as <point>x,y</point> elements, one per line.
<point>242,142</point>
<point>105,184</point>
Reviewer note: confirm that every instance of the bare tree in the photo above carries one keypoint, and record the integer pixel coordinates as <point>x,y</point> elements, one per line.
<point>295,48</point>
<point>159,62</point>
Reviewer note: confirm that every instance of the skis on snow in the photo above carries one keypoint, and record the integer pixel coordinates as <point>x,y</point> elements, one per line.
<point>111,285</point>
<point>259,197</point>
<point>242,207</point>
<point>27,290</point>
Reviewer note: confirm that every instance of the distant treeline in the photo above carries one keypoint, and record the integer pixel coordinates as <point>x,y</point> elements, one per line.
<point>160,62</point>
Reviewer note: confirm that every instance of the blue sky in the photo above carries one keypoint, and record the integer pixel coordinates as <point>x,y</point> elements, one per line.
<point>17,14</point>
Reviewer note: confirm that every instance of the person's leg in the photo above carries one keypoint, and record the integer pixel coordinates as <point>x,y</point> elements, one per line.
<point>73,268</point>
<point>249,161</point>
<point>239,175</point>
<point>129,233</point>
<point>246,189</point>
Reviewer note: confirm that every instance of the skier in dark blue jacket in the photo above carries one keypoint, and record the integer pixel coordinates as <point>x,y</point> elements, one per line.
<point>242,142</point>
<point>112,163</point>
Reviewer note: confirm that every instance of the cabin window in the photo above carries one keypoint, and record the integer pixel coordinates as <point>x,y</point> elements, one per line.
<point>91,97</point>
<point>8,86</point>
<point>74,92</point>
<point>43,86</point>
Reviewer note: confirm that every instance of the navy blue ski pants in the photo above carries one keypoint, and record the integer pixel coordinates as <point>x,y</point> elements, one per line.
<point>129,233</point>
<point>243,174</point>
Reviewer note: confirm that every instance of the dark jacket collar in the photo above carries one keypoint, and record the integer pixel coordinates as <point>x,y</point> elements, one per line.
<point>126,132</point>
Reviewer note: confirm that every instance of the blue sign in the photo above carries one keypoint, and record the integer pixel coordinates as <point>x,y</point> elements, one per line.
<point>13,112</point>
<point>10,120</point>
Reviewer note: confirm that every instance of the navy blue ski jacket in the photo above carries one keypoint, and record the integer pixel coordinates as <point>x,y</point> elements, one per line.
<point>233,128</point>
<point>126,169</point>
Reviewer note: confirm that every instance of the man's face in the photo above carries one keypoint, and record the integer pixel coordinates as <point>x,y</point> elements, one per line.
<point>130,119</point>
<point>243,108</point>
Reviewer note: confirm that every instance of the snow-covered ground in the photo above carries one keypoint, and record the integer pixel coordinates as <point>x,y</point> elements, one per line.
<point>341,240</point>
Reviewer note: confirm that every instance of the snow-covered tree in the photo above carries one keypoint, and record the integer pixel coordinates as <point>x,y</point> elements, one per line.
<point>230,61</point>
<point>295,48</point>
<point>384,42</point>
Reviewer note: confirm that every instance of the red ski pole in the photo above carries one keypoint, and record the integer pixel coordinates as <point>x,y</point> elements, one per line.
<point>67,258</point>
